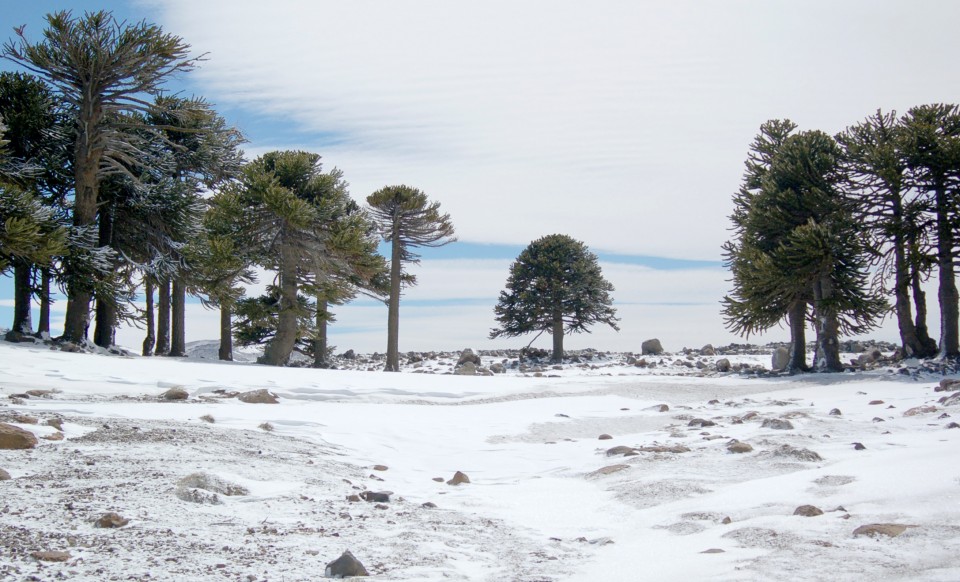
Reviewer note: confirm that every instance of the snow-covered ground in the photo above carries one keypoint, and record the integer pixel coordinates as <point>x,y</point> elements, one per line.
<point>219,489</point>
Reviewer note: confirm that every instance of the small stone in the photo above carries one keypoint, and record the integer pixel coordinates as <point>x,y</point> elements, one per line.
<point>946,385</point>
<point>13,437</point>
<point>953,425</point>
<point>739,447</point>
<point>51,556</point>
<point>55,423</point>
<point>701,422</point>
<point>375,496</point>
<point>876,402</point>
<point>726,520</point>
<point>25,419</point>
<point>458,478</point>
<point>608,470</point>
<point>917,410</point>
<point>262,396</point>
<point>713,551</point>
<point>4,476</point>
<point>429,505</point>
<point>881,529</point>
<point>380,467</point>
<point>878,419</point>
<point>604,437</point>
<point>111,520</point>
<point>57,436</point>
<point>858,446</point>
<point>808,511</point>
<point>381,506</point>
<point>835,412</point>
<point>353,498</point>
<point>777,424</point>
<point>621,450</point>
<point>345,565</point>
<point>799,454</point>
<point>438,479</point>
<point>175,393</point>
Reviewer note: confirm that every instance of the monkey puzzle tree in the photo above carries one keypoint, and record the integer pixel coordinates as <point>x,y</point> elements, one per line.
<point>407,219</point>
<point>555,286</point>
<point>101,68</point>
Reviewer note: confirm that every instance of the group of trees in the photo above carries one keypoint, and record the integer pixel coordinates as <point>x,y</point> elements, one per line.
<point>826,227</point>
<point>110,187</point>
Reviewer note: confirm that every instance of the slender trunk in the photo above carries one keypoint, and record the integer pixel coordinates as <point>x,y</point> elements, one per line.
<point>557,336</point>
<point>393,312</point>
<point>909,341</point>
<point>178,334</point>
<point>278,351</point>
<point>22,296</point>
<point>43,326</point>
<point>797,318</point>
<point>150,340</point>
<point>226,333</point>
<point>920,304</point>
<point>163,317</point>
<point>947,291</point>
<point>105,312</point>
<point>320,342</point>
<point>87,156</point>
<point>828,328</point>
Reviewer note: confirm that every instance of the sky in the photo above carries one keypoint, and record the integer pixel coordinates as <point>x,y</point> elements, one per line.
<point>624,124</point>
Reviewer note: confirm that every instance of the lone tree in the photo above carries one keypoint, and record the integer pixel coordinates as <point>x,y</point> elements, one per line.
<point>406,219</point>
<point>554,285</point>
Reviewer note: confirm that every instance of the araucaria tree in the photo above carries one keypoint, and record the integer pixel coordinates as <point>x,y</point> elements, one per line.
<point>555,286</point>
<point>406,219</point>
<point>101,69</point>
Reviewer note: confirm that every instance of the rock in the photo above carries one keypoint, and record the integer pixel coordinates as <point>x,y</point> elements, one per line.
<point>777,424</point>
<point>12,437</point>
<point>916,410</point>
<point>604,437</point>
<point>40,393</point>
<point>875,402</point>
<point>345,565</point>
<point>25,419</point>
<point>947,384</point>
<point>726,520</point>
<point>4,476</point>
<point>380,467</point>
<point>858,446</point>
<point>497,368</point>
<point>713,551</point>
<point>175,393</point>
<point>438,479</point>
<point>262,396</point>
<point>795,453</point>
<point>429,505</point>
<point>780,359</point>
<point>608,470</point>
<point>651,347</point>
<point>808,511</point>
<point>349,355</point>
<point>835,412</point>
<point>708,350</point>
<point>622,450</point>
<point>953,425</point>
<point>881,529</point>
<point>55,423</point>
<point>375,496</point>
<point>204,488</point>
<point>466,369</point>
<point>57,436</point>
<point>458,478</point>
<point>662,449</point>
<point>723,365</point>
<point>111,520</point>
<point>353,498</point>
<point>950,400</point>
<point>739,447</point>
<point>701,422</point>
<point>468,355</point>
<point>51,556</point>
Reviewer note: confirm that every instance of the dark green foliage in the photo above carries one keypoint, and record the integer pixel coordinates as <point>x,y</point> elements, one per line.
<point>554,286</point>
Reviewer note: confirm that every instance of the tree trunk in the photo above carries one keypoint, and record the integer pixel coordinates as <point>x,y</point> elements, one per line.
<point>22,298</point>
<point>163,317</point>
<point>828,328</point>
<point>947,291</point>
<point>797,318</point>
<point>909,341</point>
<point>104,334</point>
<point>393,311</point>
<point>43,326</point>
<point>226,333</point>
<point>150,340</point>
<point>557,337</point>
<point>320,359</point>
<point>178,304</point>
<point>278,351</point>
<point>87,156</point>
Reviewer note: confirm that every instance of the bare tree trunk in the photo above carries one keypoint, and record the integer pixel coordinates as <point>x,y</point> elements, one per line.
<point>557,336</point>
<point>163,317</point>
<point>178,304</point>
<point>277,352</point>
<point>151,338</point>
<point>226,333</point>
<point>22,297</point>
<point>947,291</point>
<point>909,341</point>
<point>43,326</point>
<point>393,310</point>
<point>320,343</point>
<point>797,318</point>
<point>104,334</point>
<point>828,328</point>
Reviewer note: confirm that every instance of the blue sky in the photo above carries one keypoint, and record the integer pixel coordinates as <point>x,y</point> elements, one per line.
<point>624,124</point>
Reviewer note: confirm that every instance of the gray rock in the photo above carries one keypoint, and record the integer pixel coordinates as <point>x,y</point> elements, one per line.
<point>796,453</point>
<point>701,422</point>
<point>468,355</point>
<point>873,530</point>
<point>808,511</point>
<point>111,520</point>
<point>723,365</point>
<point>349,355</point>
<point>262,396</point>
<point>205,488</point>
<point>947,384</point>
<point>780,359</point>
<point>466,369</point>
<point>708,350</point>
<point>4,476</point>
<point>739,447</point>
<point>497,368</point>
<point>375,496</point>
<point>345,565</point>
<point>777,424</point>
<point>651,347</point>
<point>175,393</point>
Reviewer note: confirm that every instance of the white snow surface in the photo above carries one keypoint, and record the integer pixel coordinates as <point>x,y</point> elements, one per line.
<point>535,510</point>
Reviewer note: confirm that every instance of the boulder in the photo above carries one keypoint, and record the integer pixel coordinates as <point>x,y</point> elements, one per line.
<point>651,347</point>
<point>808,511</point>
<point>375,496</point>
<point>4,476</point>
<point>947,384</point>
<point>344,566</point>
<point>796,453</point>
<point>458,478</point>
<point>873,530</point>
<point>604,437</point>
<point>51,556</point>
<point>262,396</point>
<point>723,365</point>
<point>708,350</point>
<point>468,355</point>
<point>739,447</point>
<point>917,410</point>
<point>777,424</point>
<point>622,450</point>
<point>111,520</point>
<point>497,368</point>
<point>780,359</point>
<point>701,422</point>
<point>13,437</point>
<point>349,355</point>
<point>608,470</point>
<point>175,393</point>
<point>466,369</point>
